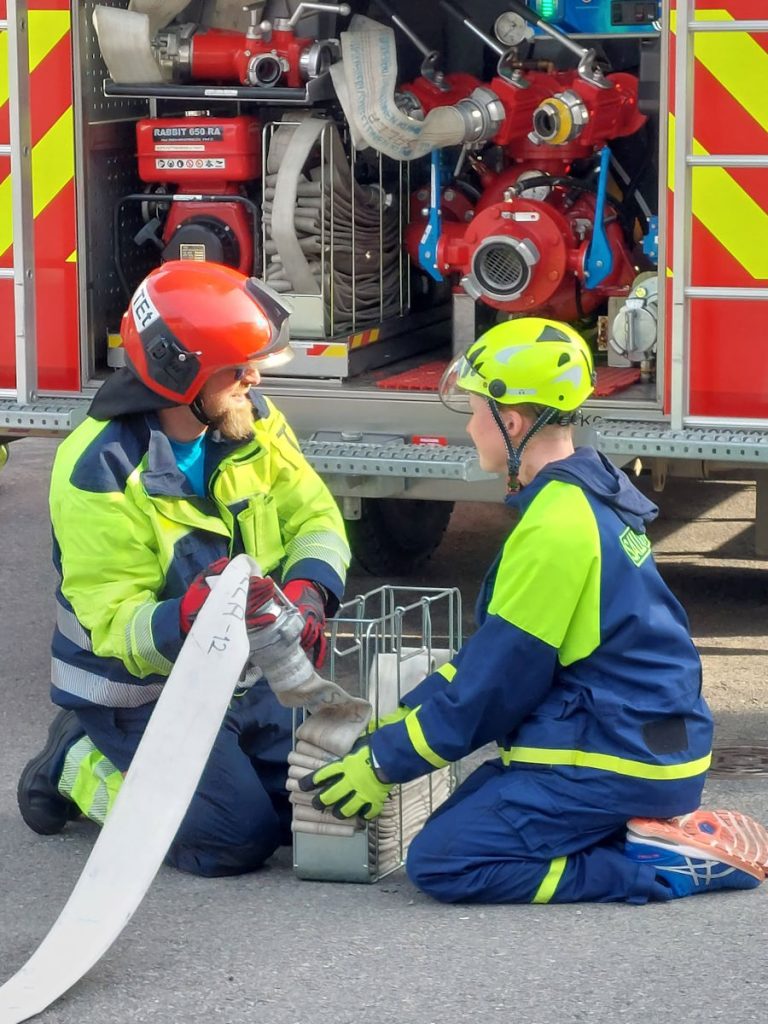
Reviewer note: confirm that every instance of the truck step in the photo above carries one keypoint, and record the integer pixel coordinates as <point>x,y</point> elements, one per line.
<point>48,416</point>
<point>357,458</point>
<point>649,439</point>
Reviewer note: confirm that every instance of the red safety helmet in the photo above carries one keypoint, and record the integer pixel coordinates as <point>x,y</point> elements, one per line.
<point>188,319</point>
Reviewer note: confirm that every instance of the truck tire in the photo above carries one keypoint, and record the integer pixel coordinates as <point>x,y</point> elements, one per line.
<point>394,536</point>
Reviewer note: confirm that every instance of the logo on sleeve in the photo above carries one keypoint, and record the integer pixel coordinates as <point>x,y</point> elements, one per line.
<point>636,545</point>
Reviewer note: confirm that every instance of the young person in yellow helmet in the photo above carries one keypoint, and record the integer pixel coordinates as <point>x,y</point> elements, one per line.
<point>582,669</point>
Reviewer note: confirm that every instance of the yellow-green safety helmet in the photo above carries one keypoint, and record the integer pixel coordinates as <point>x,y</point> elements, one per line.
<point>528,360</point>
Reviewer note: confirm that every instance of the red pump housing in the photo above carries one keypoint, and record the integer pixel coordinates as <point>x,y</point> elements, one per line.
<point>202,155</point>
<point>218,55</point>
<point>526,253</point>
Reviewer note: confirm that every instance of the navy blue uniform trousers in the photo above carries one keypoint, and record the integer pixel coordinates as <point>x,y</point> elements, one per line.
<point>240,812</point>
<point>494,840</point>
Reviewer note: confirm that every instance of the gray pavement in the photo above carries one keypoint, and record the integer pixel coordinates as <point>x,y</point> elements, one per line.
<point>269,948</point>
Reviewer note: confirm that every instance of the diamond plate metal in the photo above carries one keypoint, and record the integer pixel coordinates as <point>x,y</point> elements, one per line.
<point>639,438</point>
<point>48,416</point>
<point>740,761</point>
<point>446,462</point>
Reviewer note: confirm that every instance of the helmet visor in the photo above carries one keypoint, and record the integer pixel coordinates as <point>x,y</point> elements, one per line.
<point>452,389</point>
<point>278,351</point>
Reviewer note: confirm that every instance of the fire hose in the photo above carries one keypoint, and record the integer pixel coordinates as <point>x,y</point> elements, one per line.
<point>334,722</point>
<point>320,739</point>
<point>365,81</point>
<point>327,234</point>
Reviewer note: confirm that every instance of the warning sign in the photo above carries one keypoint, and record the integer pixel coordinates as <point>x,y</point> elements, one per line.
<point>190,164</point>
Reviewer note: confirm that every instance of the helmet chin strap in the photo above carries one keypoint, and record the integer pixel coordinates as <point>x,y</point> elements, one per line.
<point>197,410</point>
<point>515,455</point>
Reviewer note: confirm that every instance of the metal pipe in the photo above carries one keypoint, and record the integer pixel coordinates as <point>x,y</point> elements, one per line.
<point>742,294</point>
<point>405,29</point>
<point>533,19</point>
<point>728,26</point>
<point>727,160</point>
<point>682,221</point>
<point>21,200</point>
<point>461,17</point>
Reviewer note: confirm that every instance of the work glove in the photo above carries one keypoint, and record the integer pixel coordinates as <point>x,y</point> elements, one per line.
<point>350,786</point>
<point>260,590</point>
<point>309,601</point>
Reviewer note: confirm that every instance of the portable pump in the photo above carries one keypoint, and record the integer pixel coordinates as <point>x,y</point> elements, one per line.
<point>267,55</point>
<point>537,239</point>
<point>198,165</point>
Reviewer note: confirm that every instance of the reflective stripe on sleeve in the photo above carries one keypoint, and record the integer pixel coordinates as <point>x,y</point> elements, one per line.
<point>419,741</point>
<point>100,690</point>
<point>324,546</point>
<point>141,643</point>
<point>448,671</point>
<point>69,626</point>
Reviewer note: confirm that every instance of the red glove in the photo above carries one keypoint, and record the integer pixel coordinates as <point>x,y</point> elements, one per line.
<point>308,599</point>
<point>260,590</point>
<point>197,591</point>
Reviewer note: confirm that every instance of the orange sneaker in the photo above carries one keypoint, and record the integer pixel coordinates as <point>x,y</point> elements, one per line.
<point>727,837</point>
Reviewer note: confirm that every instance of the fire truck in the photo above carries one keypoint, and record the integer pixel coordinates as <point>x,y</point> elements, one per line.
<point>407,175</point>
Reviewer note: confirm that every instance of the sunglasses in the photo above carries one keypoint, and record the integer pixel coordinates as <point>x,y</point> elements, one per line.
<point>241,372</point>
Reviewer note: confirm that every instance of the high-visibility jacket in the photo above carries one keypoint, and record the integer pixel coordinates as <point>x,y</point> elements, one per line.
<point>130,535</point>
<point>582,663</point>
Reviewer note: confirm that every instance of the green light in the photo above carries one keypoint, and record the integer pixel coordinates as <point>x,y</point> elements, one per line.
<point>547,8</point>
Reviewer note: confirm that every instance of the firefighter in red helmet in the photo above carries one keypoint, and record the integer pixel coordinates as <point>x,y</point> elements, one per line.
<point>180,465</point>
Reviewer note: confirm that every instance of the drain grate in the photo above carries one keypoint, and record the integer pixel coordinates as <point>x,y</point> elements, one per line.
<point>739,761</point>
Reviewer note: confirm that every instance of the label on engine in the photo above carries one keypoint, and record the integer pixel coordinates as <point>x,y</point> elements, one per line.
<point>194,132</point>
<point>190,164</point>
<point>179,147</point>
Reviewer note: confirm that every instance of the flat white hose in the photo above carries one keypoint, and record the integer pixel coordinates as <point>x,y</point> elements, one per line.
<point>125,43</point>
<point>324,233</point>
<point>365,81</point>
<point>409,805</point>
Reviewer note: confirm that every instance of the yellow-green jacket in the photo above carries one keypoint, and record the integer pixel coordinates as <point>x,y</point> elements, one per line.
<point>129,535</point>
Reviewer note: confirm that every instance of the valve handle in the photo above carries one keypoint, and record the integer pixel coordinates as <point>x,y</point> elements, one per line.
<point>429,241</point>
<point>311,7</point>
<point>587,68</point>
<point>599,259</point>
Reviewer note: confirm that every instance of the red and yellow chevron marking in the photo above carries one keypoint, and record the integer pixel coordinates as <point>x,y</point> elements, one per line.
<point>364,338</point>
<point>331,350</point>
<point>728,367</point>
<point>53,197</point>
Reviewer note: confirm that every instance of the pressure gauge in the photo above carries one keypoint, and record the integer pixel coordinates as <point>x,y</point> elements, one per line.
<point>539,192</point>
<point>511,30</point>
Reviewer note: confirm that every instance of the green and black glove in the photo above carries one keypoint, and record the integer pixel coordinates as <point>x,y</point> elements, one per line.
<point>350,786</point>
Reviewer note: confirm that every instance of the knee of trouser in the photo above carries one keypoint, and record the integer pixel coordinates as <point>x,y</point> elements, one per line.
<point>213,861</point>
<point>428,869</point>
<point>199,850</point>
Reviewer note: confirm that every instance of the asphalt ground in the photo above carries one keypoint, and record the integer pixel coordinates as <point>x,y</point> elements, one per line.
<point>270,948</point>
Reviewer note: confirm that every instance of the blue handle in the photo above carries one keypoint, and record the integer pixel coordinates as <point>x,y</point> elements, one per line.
<point>599,261</point>
<point>431,237</point>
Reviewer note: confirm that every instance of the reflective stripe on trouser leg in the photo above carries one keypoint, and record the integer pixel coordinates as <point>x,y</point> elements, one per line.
<point>90,780</point>
<point>551,880</point>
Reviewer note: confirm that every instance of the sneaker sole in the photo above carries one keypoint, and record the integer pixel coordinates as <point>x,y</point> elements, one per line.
<point>728,836</point>
<point>32,766</point>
